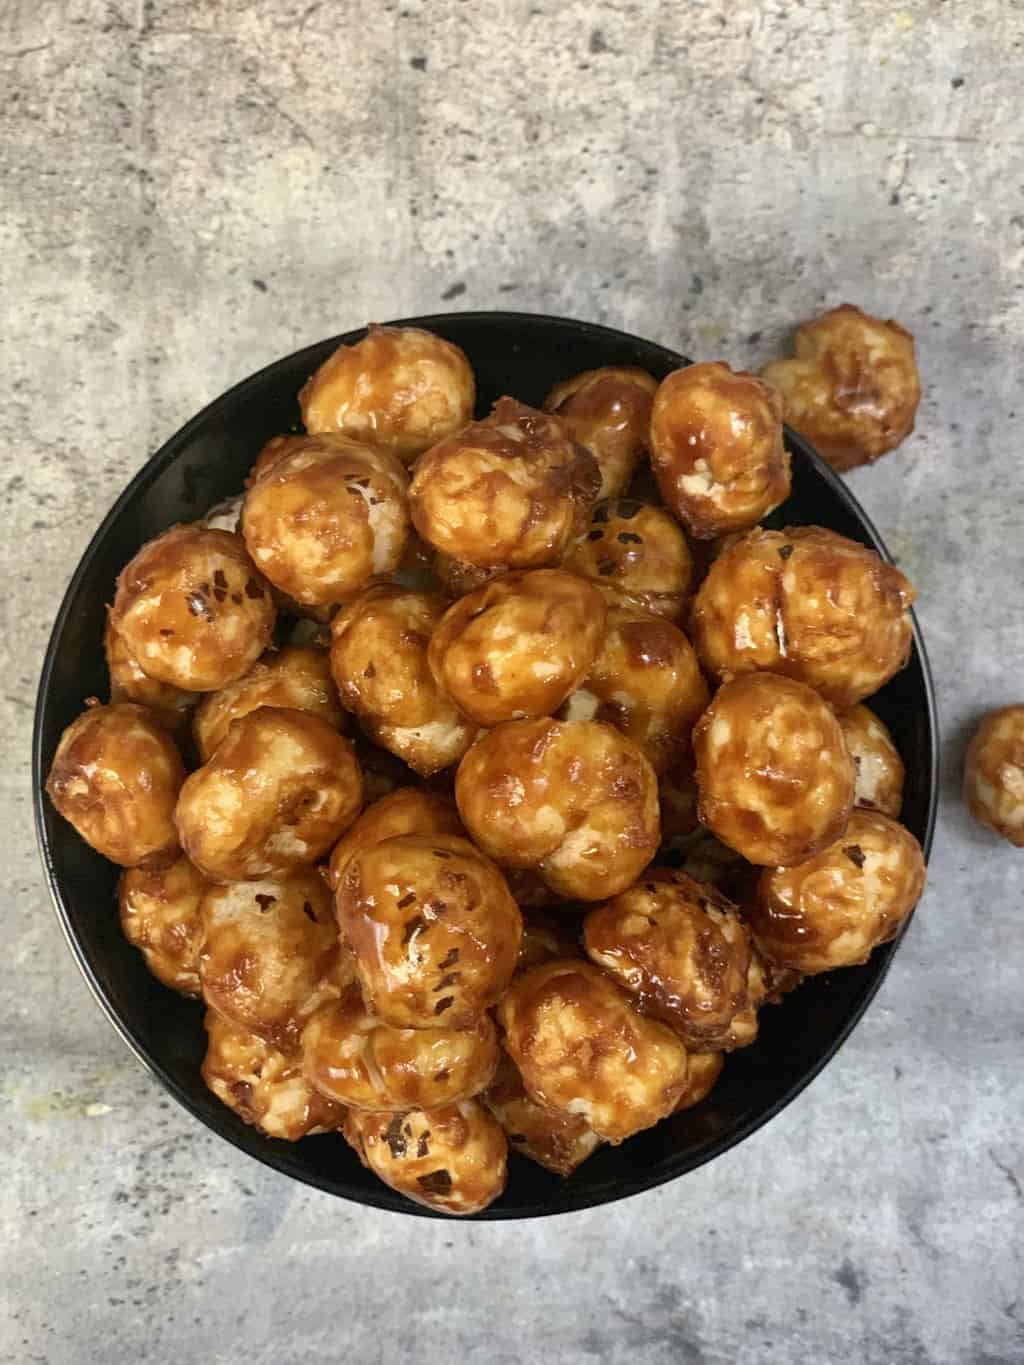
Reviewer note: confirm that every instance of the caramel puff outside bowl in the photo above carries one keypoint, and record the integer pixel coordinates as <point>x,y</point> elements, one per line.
<point>207,463</point>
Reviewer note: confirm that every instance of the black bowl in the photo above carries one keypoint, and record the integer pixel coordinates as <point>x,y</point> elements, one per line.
<point>206,462</point>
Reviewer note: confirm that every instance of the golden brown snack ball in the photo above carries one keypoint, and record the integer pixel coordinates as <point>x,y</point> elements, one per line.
<point>400,389</point>
<point>516,648</point>
<point>453,1159</point>
<point>575,800</point>
<point>583,1050</point>
<point>129,683</point>
<point>637,555</point>
<point>880,770</point>
<point>705,1069</point>
<point>808,603</point>
<point>280,790</point>
<point>159,910</point>
<point>558,1142</point>
<point>433,927</point>
<point>407,810</point>
<point>512,490</point>
<point>116,776</point>
<point>852,388</point>
<point>994,773</point>
<point>609,412</point>
<point>774,776</point>
<point>379,647</point>
<point>193,609</point>
<point>833,909</point>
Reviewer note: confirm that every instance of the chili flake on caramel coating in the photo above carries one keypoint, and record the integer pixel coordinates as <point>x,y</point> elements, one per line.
<point>159,909</point>
<point>994,773</point>
<point>637,555</point>
<point>880,771</point>
<point>609,412</point>
<point>558,1142</point>
<point>407,810</point>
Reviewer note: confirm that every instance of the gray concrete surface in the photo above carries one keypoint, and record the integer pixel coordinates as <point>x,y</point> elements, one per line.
<point>193,187</point>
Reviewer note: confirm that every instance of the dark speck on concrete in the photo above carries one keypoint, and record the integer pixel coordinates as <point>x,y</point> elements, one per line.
<point>957,82</point>
<point>696,285</point>
<point>418,63</point>
<point>753,338</point>
<point>261,285</point>
<point>851,1280</point>
<point>597,41</point>
<point>454,290</point>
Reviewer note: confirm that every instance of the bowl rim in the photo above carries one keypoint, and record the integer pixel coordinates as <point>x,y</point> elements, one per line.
<point>268,1154</point>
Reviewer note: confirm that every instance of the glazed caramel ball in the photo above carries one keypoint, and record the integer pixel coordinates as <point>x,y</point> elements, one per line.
<point>160,915</point>
<point>264,1086</point>
<point>268,955</point>
<point>774,777</point>
<point>453,1159</point>
<point>852,388</point>
<point>297,676</point>
<point>129,683</point>
<point>833,909</point>
<point>192,608</point>
<point>116,777</point>
<point>705,1069</point>
<point>379,662</point>
<point>681,950</point>
<point>717,449</point>
<point>637,555</point>
<point>583,1050</point>
<point>407,810</point>
<point>350,1056</point>
<point>433,927</point>
<point>279,791</point>
<point>545,937</point>
<point>574,799</point>
<point>609,412</point>
<point>326,518</point>
<point>880,772</point>
<point>994,773</point>
<point>807,603</point>
<point>516,648</point>
<point>400,389</point>
<point>512,490</point>
<point>558,1142</point>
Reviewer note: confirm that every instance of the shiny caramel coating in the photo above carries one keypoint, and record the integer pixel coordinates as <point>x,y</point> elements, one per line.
<point>705,1069</point>
<point>576,800</point>
<point>609,412</point>
<point>401,389</point>
<point>833,909</point>
<point>263,1085</point>
<point>512,490</point>
<point>852,388</point>
<point>774,777</point>
<point>116,776</point>
<point>433,927</point>
<point>297,676</point>
<point>807,603</point>
<point>379,649</point>
<point>192,608</point>
<point>545,937</point>
<point>637,555</point>
<point>327,518</point>
<point>406,810</point>
<point>159,910</point>
<point>994,773</point>
<point>583,1050</point>
<point>558,1142</point>
<point>129,683</point>
<point>515,649</point>
<point>273,452</point>
<point>717,448</point>
<point>880,771</point>
<point>280,790</point>
<point>453,1159</point>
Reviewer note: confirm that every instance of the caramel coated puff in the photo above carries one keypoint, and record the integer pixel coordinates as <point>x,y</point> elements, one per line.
<point>574,799</point>
<point>637,555</point>
<point>159,910</point>
<point>994,773</point>
<point>808,603</point>
<point>583,1050</point>
<point>116,776</point>
<point>407,810</point>
<point>774,776</point>
<point>433,927</point>
<point>681,950</point>
<point>833,909</point>
<point>326,518</point>
<point>512,490</point>
<point>853,387</point>
<point>609,412</point>
<point>379,662</point>
<point>269,954</point>
<point>264,1086</point>
<point>516,648</point>
<point>453,1159</point>
<point>129,683</point>
<point>717,448</point>
<point>558,1142</point>
<point>280,790</point>
<point>192,608</point>
<point>400,389</point>
<point>880,770</point>
<point>297,676</point>
<point>705,1069</point>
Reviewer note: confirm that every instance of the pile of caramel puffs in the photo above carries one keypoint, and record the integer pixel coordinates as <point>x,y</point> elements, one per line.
<point>486,778</point>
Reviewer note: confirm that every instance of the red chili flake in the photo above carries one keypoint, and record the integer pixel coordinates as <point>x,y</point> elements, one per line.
<point>629,538</point>
<point>855,854</point>
<point>785,551</point>
<point>449,979</point>
<point>451,959</point>
<point>253,589</point>
<point>445,1003</point>
<point>407,900</point>
<point>423,1146</point>
<point>596,534</point>
<point>264,901</point>
<point>220,578</point>
<point>308,911</point>
<point>394,1138</point>
<point>412,926</point>
<point>437,1182</point>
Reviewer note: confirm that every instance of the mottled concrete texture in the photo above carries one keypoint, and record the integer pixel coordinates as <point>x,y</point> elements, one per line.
<point>191,189</point>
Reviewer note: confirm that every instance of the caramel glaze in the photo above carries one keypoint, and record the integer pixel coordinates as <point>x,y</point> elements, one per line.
<point>609,412</point>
